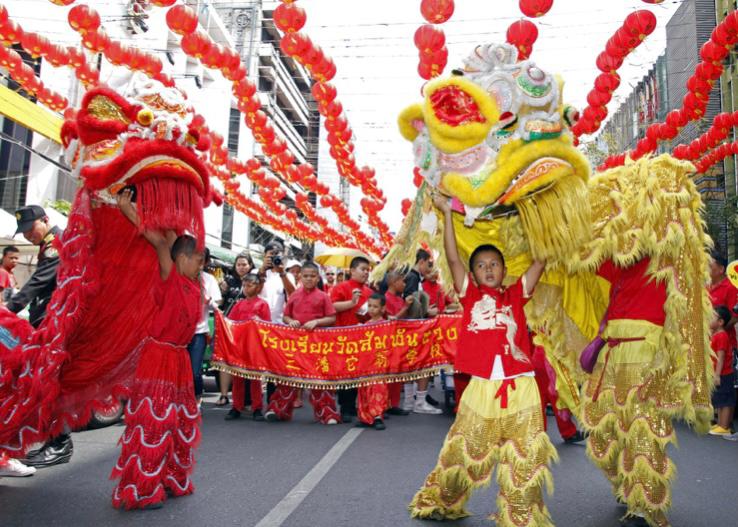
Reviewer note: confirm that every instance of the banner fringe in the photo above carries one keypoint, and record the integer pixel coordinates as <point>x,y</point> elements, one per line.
<point>326,384</point>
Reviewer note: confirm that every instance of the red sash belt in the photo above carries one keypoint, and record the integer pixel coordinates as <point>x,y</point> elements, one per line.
<point>507,384</point>
<point>611,343</point>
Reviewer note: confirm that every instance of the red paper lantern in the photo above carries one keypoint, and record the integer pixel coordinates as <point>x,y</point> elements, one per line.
<point>295,44</point>
<point>181,19</point>
<point>10,33</point>
<point>83,18</point>
<point>698,86</point>
<point>640,23</point>
<point>608,82</point>
<point>3,14</point>
<point>428,38</point>
<point>607,63</point>
<point>34,43</point>
<point>62,2</point>
<point>437,11</point>
<point>289,18</point>
<point>163,3</point>
<point>95,41</point>
<point>598,98</point>
<point>535,8</point>
<point>195,44</point>
<point>712,52</point>
<point>522,34</point>
<point>676,119</point>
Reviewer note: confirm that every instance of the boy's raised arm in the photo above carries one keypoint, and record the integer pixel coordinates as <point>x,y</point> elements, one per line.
<point>533,275</point>
<point>161,241</point>
<point>458,271</point>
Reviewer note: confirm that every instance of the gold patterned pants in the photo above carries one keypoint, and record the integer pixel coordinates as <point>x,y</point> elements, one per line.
<point>496,425</point>
<point>625,411</point>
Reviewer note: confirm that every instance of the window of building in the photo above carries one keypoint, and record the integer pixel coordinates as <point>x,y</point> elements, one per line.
<point>14,164</point>
<point>234,129</point>
<point>226,237</point>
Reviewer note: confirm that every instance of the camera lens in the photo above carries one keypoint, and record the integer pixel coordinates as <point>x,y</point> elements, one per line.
<point>277,260</point>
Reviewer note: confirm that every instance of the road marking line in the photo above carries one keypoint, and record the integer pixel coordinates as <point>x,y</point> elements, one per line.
<point>299,492</point>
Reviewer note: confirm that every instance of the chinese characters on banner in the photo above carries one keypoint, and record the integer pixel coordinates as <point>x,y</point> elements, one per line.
<point>335,357</point>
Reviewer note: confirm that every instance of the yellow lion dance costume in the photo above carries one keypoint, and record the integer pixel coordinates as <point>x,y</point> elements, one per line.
<point>494,137</point>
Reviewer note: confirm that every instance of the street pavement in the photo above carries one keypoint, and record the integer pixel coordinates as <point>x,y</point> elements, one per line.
<point>303,474</point>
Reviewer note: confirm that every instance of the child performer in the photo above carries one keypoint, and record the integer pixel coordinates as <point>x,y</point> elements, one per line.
<point>307,308</point>
<point>373,399</point>
<point>723,398</point>
<point>162,418</point>
<point>251,307</point>
<point>499,419</point>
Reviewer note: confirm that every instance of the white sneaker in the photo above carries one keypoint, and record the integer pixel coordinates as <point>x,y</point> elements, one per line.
<point>331,422</point>
<point>12,468</point>
<point>422,407</point>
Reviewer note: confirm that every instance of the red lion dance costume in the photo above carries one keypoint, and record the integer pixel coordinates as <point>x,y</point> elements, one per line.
<point>85,354</point>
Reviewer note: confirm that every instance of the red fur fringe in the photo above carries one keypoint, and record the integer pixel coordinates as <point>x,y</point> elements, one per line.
<point>170,204</point>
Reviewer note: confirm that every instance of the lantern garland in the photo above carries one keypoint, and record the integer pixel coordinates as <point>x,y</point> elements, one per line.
<point>195,43</point>
<point>717,133</point>
<point>430,39</point>
<point>636,27</point>
<point>694,104</point>
<point>716,156</point>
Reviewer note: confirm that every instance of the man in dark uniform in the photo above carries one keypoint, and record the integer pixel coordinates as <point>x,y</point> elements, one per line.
<point>34,224</point>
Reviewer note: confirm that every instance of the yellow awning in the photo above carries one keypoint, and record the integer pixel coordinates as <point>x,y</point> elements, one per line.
<point>33,116</point>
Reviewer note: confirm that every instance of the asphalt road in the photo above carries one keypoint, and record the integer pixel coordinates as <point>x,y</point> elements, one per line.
<point>304,474</point>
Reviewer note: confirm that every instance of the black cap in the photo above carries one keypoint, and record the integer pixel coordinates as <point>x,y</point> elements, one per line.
<point>25,216</point>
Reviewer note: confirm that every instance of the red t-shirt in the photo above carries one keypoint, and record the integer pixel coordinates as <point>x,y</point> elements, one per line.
<point>493,324</point>
<point>248,308</point>
<point>179,300</point>
<point>721,342</point>
<point>394,304</point>
<point>6,279</point>
<point>342,292</point>
<point>436,295</point>
<point>304,305</point>
<point>634,295</point>
<point>725,294</point>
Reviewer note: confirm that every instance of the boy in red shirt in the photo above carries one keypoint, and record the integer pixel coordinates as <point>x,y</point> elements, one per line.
<point>723,398</point>
<point>397,307</point>
<point>251,307</point>
<point>499,418</point>
<point>349,300</point>
<point>307,308</point>
<point>373,399</point>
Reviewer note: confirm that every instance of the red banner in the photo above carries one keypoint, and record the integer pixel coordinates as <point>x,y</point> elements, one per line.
<point>335,357</point>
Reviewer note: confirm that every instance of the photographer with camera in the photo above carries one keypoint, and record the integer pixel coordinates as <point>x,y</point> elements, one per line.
<point>278,283</point>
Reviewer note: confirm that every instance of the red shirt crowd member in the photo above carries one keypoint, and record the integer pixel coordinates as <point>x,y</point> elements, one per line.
<point>723,293</point>
<point>330,279</point>
<point>307,308</point>
<point>493,347</point>
<point>373,399</point>
<point>724,396</point>
<point>436,296</point>
<point>251,307</point>
<point>8,283</point>
<point>349,299</point>
<point>396,307</point>
<point>157,455</point>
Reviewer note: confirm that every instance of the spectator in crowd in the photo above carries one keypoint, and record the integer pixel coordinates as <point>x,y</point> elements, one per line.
<point>419,401</point>
<point>232,293</point>
<point>373,399</point>
<point>349,299</point>
<point>293,267</point>
<point>723,293</point>
<point>251,307</point>
<point>330,279</point>
<point>340,276</point>
<point>196,347</point>
<point>436,296</point>
<point>723,398</point>
<point>37,229</point>
<point>396,307</point>
<point>8,283</point>
<point>307,308</point>
<point>278,284</point>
